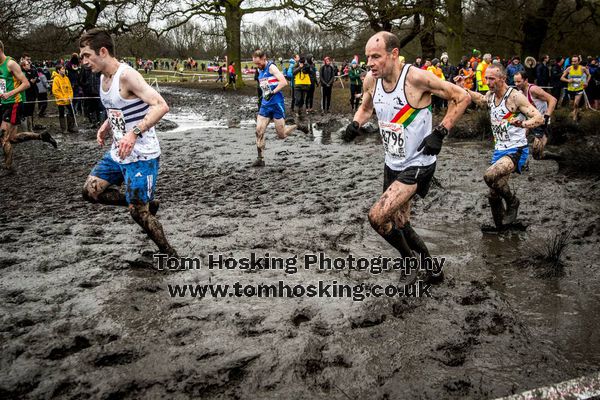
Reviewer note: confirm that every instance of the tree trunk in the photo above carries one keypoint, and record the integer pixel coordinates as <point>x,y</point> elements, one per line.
<point>455,30</point>
<point>535,28</point>
<point>428,35</point>
<point>414,32</point>
<point>233,25</point>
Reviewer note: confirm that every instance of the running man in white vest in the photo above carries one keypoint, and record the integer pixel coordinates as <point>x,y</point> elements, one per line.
<point>401,96</point>
<point>511,115</point>
<point>133,108</point>
<point>545,104</point>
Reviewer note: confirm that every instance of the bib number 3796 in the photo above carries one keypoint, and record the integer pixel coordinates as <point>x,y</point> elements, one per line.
<point>116,119</point>
<point>392,135</point>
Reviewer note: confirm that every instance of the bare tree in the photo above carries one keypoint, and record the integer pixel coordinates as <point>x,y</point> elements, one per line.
<point>232,11</point>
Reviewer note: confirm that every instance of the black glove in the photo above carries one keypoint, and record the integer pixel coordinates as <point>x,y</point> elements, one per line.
<point>433,142</point>
<point>546,120</point>
<point>547,125</point>
<point>352,131</point>
<point>267,96</point>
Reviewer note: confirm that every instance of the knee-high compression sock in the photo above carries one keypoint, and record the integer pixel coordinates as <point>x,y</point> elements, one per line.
<point>497,208</point>
<point>396,238</point>
<point>418,245</point>
<point>505,192</point>
<point>414,240</point>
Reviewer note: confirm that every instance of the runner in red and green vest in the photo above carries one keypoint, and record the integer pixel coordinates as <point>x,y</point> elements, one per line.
<point>13,84</point>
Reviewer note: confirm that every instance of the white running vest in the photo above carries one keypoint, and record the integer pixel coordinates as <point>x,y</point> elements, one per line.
<point>506,136</point>
<point>402,127</point>
<point>123,115</point>
<point>541,105</point>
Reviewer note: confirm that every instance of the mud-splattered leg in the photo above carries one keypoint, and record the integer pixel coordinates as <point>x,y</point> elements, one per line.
<point>261,127</point>
<point>282,130</point>
<point>7,132</point>
<point>390,213</point>
<point>496,177</point>
<point>153,228</point>
<point>96,190</point>
<point>539,144</point>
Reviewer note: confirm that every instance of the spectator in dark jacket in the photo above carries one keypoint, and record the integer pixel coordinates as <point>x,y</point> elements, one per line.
<point>543,72</point>
<point>89,82</point>
<point>72,67</point>
<point>530,69</point>
<point>514,67</point>
<point>30,94</point>
<point>449,70</point>
<point>555,74</point>
<point>327,78</point>
<point>313,83</point>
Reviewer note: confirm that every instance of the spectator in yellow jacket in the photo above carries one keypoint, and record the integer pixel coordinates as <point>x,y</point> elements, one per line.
<point>63,93</point>
<point>437,102</point>
<point>482,86</point>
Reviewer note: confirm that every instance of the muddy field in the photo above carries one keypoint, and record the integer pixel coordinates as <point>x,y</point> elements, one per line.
<point>81,316</point>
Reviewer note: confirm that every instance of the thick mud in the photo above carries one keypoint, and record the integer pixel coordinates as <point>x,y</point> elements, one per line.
<point>82,317</point>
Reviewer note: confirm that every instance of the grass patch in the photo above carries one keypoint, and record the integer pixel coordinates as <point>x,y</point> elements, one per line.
<point>548,258</point>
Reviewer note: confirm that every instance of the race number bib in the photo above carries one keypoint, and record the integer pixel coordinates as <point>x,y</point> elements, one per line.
<point>264,86</point>
<point>500,130</point>
<point>2,86</point>
<point>116,119</point>
<point>576,83</point>
<point>392,135</point>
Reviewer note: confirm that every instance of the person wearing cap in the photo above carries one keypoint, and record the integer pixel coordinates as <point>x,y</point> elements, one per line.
<point>327,77</point>
<point>448,69</point>
<point>514,67</point>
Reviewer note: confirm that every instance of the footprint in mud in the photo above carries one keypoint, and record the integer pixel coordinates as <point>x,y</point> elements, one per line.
<point>321,328</point>
<point>76,345</point>
<point>214,231</point>
<point>302,316</point>
<point>251,326</point>
<point>478,322</point>
<point>454,352</point>
<point>477,295</point>
<point>458,387</point>
<point>405,306</point>
<point>367,319</point>
<point>117,358</point>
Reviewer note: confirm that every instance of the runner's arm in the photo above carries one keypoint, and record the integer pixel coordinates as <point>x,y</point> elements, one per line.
<point>564,75</point>
<point>458,100</point>
<point>366,108</point>
<point>477,98</point>
<point>135,83</point>
<point>541,94</point>
<point>20,76</point>
<point>586,72</point>
<point>281,81</point>
<point>534,118</point>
